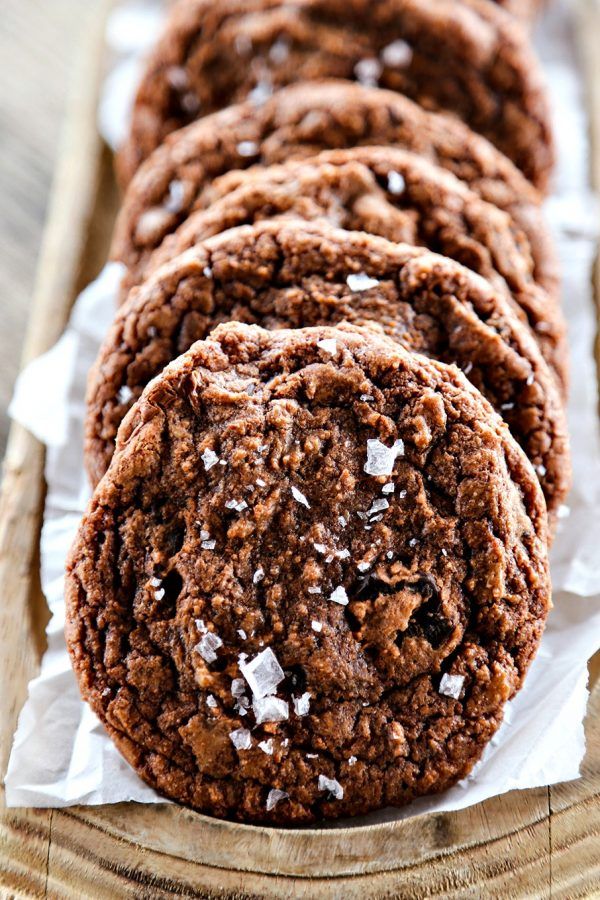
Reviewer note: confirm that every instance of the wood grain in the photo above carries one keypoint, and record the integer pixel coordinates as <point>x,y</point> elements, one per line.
<point>38,48</point>
<point>538,843</point>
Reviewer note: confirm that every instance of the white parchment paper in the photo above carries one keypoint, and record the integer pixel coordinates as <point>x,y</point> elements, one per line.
<point>61,754</point>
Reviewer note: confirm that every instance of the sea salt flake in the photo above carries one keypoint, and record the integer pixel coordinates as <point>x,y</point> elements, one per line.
<point>155,582</point>
<point>363,566</point>
<point>388,488</point>
<point>243,44</point>
<point>261,92</point>
<point>125,394</point>
<point>366,398</point>
<point>238,505</point>
<point>204,535</point>
<point>270,709</point>
<point>301,704</point>
<point>314,590</point>
<point>320,548</point>
<point>258,575</point>
<point>299,497</point>
<point>279,51</point>
<point>241,739</point>
<point>208,646</point>
<point>208,545</point>
<point>367,72</point>
<point>343,521</point>
<point>274,797</point>
<point>238,687</point>
<point>468,368</point>
<point>211,701</point>
<point>329,558</point>
<point>207,272</point>
<point>396,183</point>
<point>352,761</point>
<point>247,148</point>
<point>361,282</point>
<point>340,596</point>
<point>343,554</point>
<point>267,746</point>
<point>316,626</point>
<point>242,634</point>
<point>177,77</point>
<point>261,483</point>
<point>451,685</point>
<point>329,345</point>
<point>402,495</point>
<point>159,594</point>
<point>201,626</point>
<point>209,458</point>
<point>397,54</point>
<point>190,102</point>
<point>263,673</point>
<point>507,406</point>
<point>312,755</point>
<point>378,506</point>
<point>412,542</point>
<point>541,470</point>
<point>530,379</point>
<point>381,459</point>
<point>331,785</point>
<point>174,202</point>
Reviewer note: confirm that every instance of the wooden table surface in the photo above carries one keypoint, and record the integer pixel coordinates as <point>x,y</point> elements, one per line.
<point>38,48</point>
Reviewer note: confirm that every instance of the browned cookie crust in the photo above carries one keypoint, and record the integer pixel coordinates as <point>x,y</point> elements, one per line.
<point>278,621</point>
<point>300,121</point>
<point>394,194</point>
<point>469,58</point>
<point>291,273</point>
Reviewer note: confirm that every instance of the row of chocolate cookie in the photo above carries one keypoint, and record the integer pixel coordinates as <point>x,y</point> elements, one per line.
<point>315,564</point>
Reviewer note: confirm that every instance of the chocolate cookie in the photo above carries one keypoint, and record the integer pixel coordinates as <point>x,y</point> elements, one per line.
<point>311,578</point>
<point>394,194</point>
<point>469,58</point>
<point>291,273</point>
<point>300,121</point>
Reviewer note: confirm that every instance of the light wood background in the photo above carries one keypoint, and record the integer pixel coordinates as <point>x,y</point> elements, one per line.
<point>38,48</point>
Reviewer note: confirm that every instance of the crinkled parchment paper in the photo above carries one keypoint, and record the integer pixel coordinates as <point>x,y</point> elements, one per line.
<point>61,754</point>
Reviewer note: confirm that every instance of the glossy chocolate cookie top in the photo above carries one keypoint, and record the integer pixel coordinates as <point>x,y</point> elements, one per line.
<point>392,193</point>
<point>300,121</point>
<point>468,57</point>
<point>290,273</point>
<point>311,578</point>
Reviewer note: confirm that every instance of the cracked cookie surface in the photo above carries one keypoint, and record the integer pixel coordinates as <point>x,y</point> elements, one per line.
<point>469,58</point>
<point>290,274</point>
<point>391,193</point>
<point>311,578</point>
<point>300,121</point>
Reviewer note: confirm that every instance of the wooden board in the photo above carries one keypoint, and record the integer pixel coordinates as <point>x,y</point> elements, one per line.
<point>537,843</point>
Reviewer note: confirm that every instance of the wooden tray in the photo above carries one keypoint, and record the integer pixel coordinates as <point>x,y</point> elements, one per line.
<point>534,843</point>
